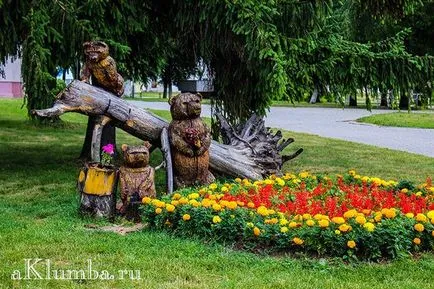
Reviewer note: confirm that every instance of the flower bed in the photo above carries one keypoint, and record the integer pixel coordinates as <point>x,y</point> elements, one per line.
<point>356,216</point>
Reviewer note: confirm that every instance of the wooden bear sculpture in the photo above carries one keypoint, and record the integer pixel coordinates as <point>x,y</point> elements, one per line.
<point>100,67</point>
<point>190,140</point>
<point>136,179</point>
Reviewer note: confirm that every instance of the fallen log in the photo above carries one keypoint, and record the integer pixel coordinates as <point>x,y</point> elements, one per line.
<point>234,159</point>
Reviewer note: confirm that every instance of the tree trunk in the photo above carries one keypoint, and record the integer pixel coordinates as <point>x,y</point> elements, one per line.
<point>314,97</point>
<point>237,159</point>
<point>353,100</point>
<point>108,137</point>
<point>383,102</point>
<point>403,101</point>
<point>164,89</point>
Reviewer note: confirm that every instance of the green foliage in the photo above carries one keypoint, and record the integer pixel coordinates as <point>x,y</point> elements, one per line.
<point>256,51</point>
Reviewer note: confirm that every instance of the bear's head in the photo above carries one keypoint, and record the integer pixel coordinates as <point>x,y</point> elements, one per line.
<point>95,51</point>
<point>185,106</point>
<point>136,156</point>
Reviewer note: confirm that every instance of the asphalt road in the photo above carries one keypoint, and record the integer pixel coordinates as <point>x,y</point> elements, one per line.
<point>339,124</point>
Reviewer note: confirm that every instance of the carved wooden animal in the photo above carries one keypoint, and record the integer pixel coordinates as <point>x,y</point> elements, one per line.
<point>136,175</point>
<point>190,140</point>
<point>100,68</point>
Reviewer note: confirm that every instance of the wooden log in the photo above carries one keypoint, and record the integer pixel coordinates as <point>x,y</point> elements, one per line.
<point>235,159</point>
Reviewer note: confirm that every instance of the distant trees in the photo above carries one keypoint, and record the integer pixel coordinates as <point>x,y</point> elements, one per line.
<point>256,51</point>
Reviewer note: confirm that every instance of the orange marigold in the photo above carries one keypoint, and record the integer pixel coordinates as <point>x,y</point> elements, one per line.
<point>351,244</point>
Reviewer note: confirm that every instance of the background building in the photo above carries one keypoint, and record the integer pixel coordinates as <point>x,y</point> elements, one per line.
<point>11,84</point>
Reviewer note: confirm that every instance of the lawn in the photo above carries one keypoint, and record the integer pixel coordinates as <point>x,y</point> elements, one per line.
<point>401,119</point>
<point>39,203</point>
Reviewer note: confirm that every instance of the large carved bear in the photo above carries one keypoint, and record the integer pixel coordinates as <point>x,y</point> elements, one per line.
<point>100,67</point>
<point>190,140</point>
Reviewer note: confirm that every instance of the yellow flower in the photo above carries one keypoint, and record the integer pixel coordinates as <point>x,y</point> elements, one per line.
<point>419,227</point>
<point>304,175</point>
<point>352,172</point>
<point>417,241</point>
<point>176,196</point>
<point>232,205</point>
<point>170,208</point>
<point>298,241</point>
<point>175,203</point>
<point>194,203</point>
<point>351,244</point>
<point>338,220</point>
<point>361,220</point>
<point>158,203</point>
<point>280,182</point>
<point>158,211</point>
<point>310,223</point>
<point>284,229</point>
<point>369,227</point>
<point>318,217</point>
<point>350,214</point>
<point>337,232</point>
<point>250,225</point>
<point>238,180</point>
<point>404,190</point>
<point>307,216</point>
<point>432,221</point>
<point>263,211</point>
<point>409,215</point>
<point>250,205</point>
<point>213,186</point>
<point>216,207</point>
<point>186,217</point>
<point>432,233</point>
<point>421,218</point>
<point>293,225</point>
<point>430,214</point>
<point>389,213</point>
<point>419,194</point>
<point>193,196</point>
<point>345,228</point>
<point>283,222</point>
<point>216,219</point>
<point>183,201</point>
<point>323,223</point>
<point>271,221</point>
<point>378,216</point>
<point>224,189</point>
<point>256,231</point>
<point>146,200</point>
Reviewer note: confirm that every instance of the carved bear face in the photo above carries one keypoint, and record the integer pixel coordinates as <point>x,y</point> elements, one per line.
<point>95,51</point>
<point>136,156</point>
<point>185,106</point>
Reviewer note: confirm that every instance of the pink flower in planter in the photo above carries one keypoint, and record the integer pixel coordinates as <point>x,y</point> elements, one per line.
<point>108,149</point>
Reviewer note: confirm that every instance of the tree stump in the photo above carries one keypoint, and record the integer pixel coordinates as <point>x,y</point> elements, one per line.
<point>97,187</point>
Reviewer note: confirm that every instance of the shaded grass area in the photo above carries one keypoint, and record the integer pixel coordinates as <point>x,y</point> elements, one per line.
<point>38,204</point>
<point>401,119</point>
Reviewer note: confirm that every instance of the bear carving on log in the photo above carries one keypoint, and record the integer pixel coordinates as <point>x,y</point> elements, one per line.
<point>190,140</point>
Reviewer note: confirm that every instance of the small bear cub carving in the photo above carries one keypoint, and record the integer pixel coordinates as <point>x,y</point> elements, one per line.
<point>136,175</point>
<point>190,140</point>
<point>100,68</point>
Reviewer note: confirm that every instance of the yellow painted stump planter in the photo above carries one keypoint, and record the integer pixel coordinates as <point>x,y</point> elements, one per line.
<point>97,186</point>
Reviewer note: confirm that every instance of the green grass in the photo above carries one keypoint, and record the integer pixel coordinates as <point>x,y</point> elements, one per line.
<point>38,205</point>
<point>401,119</point>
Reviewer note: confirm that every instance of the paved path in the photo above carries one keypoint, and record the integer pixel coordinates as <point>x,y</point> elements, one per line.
<point>340,124</point>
